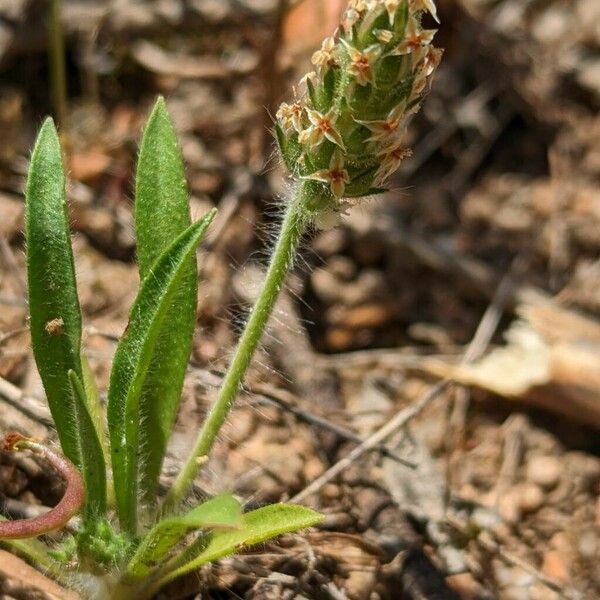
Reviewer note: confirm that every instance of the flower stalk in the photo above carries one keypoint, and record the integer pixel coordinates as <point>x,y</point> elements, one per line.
<point>292,228</point>
<point>341,139</point>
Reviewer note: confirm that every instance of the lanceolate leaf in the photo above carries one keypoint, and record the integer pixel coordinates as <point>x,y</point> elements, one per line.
<point>162,214</point>
<point>53,302</point>
<point>258,526</point>
<point>94,406</point>
<point>133,357</point>
<point>221,512</point>
<point>92,467</point>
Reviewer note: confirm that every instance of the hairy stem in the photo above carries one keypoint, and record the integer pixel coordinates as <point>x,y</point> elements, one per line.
<point>292,228</point>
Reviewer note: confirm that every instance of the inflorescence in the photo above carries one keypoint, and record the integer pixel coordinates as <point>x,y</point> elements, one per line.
<point>345,129</point>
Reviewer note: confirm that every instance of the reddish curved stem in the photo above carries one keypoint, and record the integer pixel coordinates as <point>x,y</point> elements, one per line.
<point>69,505</point>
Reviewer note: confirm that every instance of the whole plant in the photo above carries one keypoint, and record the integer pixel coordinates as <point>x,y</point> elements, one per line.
<point>341,139</point>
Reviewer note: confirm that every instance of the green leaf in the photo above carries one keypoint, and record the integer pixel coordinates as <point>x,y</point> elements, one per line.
<point>53,303</point>
<point>162,214</point>
<point>93,467</point>
<point>133,357</point>
<point>221,512</point>
<point>258,526</point>
<point>94,406</point>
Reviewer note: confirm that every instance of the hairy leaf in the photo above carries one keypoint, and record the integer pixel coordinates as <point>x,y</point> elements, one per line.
<point>53,303</point>
<point>93,467</point>
<point>258,526</point>
<point>133,358</point>
<point>221,512</point>
<point>95,407</point>
<point>162,214</point>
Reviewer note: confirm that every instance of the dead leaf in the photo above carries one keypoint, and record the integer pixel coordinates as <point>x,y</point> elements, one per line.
<point>20,573</point>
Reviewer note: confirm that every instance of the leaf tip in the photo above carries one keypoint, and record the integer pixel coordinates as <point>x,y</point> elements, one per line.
<point>47,135</point>
<point>159,110</point>
<point>211,214</point>
<point>48,124</point>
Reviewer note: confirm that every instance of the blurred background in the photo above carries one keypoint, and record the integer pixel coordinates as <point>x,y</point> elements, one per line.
<point>497,213</point>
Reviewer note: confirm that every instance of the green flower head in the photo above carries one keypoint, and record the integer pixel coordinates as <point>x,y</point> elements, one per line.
<point>344,130</point>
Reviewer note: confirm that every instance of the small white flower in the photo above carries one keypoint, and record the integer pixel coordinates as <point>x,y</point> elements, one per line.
<point>427,60</point>
<point>385,130</point>
<point>425,6</point>
<point>414,38</point>
<point>349,20</point>
<point>391,158</point>
<point>336,176</point>
<point>362,61</point>
<point>325,58</point>
<point>322,127</point>
<point>425,67</point>
<point>290,116</point>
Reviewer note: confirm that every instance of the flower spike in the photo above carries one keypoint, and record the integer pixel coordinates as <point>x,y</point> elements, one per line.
<point>370,78</point>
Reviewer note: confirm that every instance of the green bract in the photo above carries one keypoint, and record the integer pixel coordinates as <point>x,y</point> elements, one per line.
<point>123,548</point>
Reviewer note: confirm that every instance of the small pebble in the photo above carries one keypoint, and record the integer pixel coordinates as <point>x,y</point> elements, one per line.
<point>327,286</point>
<point>330,491</point>
<point>555,566</point>
<point>589,544</point>
<point>544,471</point>
<point>531,498</point>
<point>485,518</point>
<point>509,506</point>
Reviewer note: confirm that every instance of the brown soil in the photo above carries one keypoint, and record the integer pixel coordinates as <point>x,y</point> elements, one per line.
<point>504,501</point>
